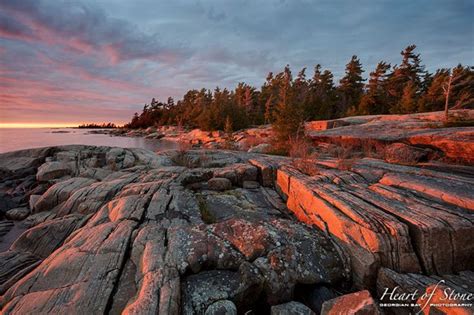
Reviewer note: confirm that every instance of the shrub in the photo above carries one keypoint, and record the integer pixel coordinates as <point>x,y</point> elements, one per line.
<point>303,158</point>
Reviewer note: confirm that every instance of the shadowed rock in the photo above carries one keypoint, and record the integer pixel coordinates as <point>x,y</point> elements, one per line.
<point>120,232</point>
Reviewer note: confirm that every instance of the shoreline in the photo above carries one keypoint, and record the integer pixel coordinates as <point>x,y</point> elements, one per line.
<point>347,226</point>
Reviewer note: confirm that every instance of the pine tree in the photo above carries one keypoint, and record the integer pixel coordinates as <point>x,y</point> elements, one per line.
<point>408,102</point>
<point>351,86</point>
<point>288,115</point>
<point>375,100</point>
<point>410,70</point>
<point>433,98</point>
<point>321,99</point>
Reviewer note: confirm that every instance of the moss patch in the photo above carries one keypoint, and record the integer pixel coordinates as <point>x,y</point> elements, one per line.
<point>206,214</point>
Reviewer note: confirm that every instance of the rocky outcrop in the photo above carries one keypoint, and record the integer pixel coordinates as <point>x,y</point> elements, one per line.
<point>421,131</point>
<point>126,231</point>
<point>384,215</point>
<point>203,232</point>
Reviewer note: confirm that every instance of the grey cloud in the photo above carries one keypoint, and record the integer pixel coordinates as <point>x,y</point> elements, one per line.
<point>92,27</point>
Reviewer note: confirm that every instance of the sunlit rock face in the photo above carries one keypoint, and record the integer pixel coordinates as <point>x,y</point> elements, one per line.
<point>129,231</point>
<point>414,131</point>
<point>400,217</point>
<point>203,231</point>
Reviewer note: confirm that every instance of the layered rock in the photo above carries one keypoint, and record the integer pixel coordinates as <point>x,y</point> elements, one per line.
<point>126,231</point>
<point>423,131</point>
<point>406,218</point>
<point>202,232</point>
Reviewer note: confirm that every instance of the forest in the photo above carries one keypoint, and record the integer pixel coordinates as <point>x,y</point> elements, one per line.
<point>286,101</point>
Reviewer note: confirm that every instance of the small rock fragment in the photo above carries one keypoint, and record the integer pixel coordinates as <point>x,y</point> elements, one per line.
<point>355,303</point>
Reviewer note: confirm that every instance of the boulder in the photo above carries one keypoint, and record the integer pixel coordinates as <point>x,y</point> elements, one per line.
<point>222,307</point>
<point>33,200</point>
<point>60,192</point>
<point>401,153</point>
<point>291,308</point>
<point>260,148</point>
<point>17,213</point>
<point>201,290</point>
<point>249,184</point>
<point>219,184</point>
<point>53,170</point>
<point>359,303</point>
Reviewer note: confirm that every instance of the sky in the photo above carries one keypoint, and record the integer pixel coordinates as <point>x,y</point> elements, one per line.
<point>70,62</point>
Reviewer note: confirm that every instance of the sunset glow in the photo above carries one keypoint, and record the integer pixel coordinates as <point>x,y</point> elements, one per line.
<point>38,125</point>
<point>101,61</point>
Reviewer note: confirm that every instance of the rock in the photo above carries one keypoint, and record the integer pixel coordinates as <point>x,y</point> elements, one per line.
<point>219,184</point>
<point>124,233</point>
<point>401,153</point>
<point>33,200</point>
<point>5,227</point>
<point>261,148</point>
<point>60,192</point>
<point>13,266</point>
<point>248,184</point>
<point>414,129</point>
<point>222,307</point>
<point>17,213</point>
<point>203,289</point>
<point>21,163</point>
<point>118,158</point>
<point>315,296</point>
<point>53,170</point>
<point>45,237</point>
<point>355,303</point>
<point>291,308</point>
<point>396,217</point>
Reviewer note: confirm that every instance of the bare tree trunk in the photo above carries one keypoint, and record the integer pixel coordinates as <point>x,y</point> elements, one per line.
<point>447,91</point>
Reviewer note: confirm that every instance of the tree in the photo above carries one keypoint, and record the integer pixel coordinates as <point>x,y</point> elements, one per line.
<point>375,100</point>
<point>320,102</point>
<point>288,114</point>
<point>351,86</point>
<point>462,79</point>
<point>408,100</point>
<point>410,70</point>
<point>434,97</point>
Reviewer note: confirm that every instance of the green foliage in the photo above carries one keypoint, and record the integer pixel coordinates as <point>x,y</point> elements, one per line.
<point>351,87</point>
<point>288,102</point>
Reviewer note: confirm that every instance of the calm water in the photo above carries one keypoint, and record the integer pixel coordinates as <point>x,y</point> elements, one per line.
<point>18,139</point>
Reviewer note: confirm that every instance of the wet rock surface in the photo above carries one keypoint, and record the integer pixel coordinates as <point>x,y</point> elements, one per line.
<point>129,231</point>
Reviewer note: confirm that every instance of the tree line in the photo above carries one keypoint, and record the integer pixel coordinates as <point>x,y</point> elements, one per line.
<point>286,101</point>
<point>108,125</point>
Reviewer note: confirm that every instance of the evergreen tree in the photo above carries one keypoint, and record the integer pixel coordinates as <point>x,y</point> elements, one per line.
<point>321,98</point>
<point>408,101</point>
<point>351,86</point>
<point>375,100</point>
<point>433,98</point>
<point>288,115</point>
<point>410,70</point>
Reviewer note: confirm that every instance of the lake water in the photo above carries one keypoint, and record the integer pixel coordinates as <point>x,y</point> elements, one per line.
<point>12,139</point>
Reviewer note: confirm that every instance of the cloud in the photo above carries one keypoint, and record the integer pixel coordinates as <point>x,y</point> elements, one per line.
<point>84,28</point>
<point>73,56</point>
